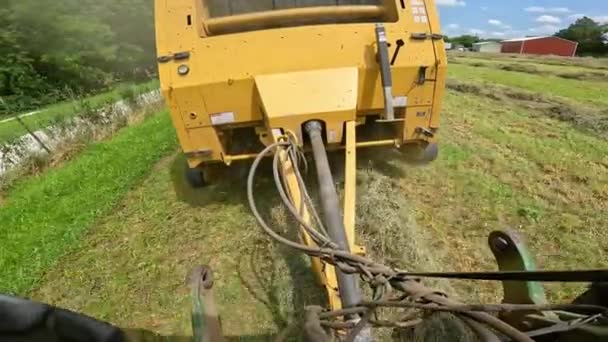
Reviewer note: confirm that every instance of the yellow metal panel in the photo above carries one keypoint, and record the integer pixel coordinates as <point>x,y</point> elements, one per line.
<point>421,95</point>
<point>192,107</point>
<point>224,67</point>
<point>440,66</point>
<point>350,183</point>
<point>329,95</point>
<point>350,187</point>
<point>234,96</point>
<point>416,117</point>
<point>317,91</point>
<point>205,139</point>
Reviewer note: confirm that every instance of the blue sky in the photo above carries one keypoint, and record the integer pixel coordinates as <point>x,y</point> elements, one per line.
<point>515,18</point>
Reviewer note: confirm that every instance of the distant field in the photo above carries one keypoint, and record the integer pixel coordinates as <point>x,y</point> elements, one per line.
<point>586,62</point>
<point>519,150</point>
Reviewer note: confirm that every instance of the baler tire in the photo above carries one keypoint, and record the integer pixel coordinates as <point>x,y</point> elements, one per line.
<point>196,177</point>
<point>420,154</point>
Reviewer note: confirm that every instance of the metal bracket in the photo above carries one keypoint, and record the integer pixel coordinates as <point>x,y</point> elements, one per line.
<point>512,254</point>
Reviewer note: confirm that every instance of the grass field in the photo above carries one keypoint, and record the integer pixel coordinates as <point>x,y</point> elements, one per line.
<point>520,151</point>
<point>59,112</point>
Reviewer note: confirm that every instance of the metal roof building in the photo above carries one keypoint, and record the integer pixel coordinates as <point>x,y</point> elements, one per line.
<point>546,45</point>
<point>487,47</point>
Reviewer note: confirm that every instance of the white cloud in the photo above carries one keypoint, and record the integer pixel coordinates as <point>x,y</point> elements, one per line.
<point>497,34</point>
<point>495,22</point>
<point>498,23</point>
<point>484,8</point>
<point>539,9</point>
<point>576,16</point>
<point>548,19</point>
<point>453,27</point>
<point>477,32</point>
<point>602,19</point>
<point>545,29</point>
<point>451,3</point>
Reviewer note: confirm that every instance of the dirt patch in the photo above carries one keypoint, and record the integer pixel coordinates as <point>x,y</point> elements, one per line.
<point>586,118</point>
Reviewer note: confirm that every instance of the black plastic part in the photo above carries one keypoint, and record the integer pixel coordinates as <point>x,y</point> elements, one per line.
<point>195,177</point>
<point>181,55</point>
<point>72,326</point>
<point>20,315</point>
<point>164,59</point>
<point>28,321</point>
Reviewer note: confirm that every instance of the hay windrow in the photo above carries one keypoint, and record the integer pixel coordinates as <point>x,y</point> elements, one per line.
<point>585,118</point>
<point>387,225</point>
<point>587,75</point>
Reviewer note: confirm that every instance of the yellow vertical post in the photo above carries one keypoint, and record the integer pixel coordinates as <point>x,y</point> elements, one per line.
<point>350,186</point>
<point>326,274</point>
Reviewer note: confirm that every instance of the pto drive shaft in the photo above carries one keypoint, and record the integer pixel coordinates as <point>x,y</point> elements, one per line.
<point>348,287</point>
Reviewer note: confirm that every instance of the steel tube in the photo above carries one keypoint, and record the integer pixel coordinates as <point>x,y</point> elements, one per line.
<point>348,287</point>
<point>385,72</point>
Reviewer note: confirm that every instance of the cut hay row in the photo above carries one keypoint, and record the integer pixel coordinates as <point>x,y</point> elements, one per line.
<point>583,117</point>
<point>583,62</point>
<point>529,68</point>
<point>588,93</point>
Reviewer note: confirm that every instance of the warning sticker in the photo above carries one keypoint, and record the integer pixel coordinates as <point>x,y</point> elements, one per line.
<point>222,118</point>
<point>419,12</point>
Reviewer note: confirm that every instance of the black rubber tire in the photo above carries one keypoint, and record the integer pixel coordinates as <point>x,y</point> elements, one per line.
<point>420,154</point>
<point>196,177</point>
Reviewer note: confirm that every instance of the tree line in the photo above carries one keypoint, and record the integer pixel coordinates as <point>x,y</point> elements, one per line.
<point>591,36</point>
<point>59,49</point>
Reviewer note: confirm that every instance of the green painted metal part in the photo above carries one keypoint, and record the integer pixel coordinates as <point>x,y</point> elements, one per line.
<point>512,254</point>
<point>206,326</point>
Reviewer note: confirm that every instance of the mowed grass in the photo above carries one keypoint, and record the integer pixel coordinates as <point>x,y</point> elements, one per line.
<point>43,217</point>
<point>588,92</point>
<point>586,62</point>
<point>131,268</point>
<point>568,72</point>
<point>56,113</point>
<point>502,166</point>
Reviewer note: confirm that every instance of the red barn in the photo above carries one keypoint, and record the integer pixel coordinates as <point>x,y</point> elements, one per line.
<point>540,46</point>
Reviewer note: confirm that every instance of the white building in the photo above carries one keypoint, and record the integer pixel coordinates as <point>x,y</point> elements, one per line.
<point>494,47</point>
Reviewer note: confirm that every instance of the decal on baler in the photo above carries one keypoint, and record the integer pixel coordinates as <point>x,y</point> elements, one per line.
<point>419,12</point>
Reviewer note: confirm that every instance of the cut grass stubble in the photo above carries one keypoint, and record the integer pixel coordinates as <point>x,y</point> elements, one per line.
<point>43,217</point>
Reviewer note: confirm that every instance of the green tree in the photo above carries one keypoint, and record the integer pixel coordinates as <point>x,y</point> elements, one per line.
<point>589,34</point>
<point>465,40</point>
<point>82,46</point>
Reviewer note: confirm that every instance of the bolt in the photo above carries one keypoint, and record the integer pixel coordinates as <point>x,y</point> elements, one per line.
<point>500,244</point>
